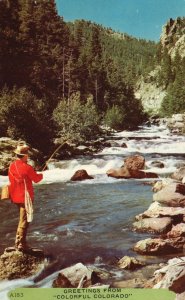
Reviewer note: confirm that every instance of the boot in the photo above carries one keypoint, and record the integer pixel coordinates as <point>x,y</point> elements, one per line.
<point>20,241</point>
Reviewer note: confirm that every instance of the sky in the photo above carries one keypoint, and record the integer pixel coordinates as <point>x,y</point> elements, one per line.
<point>138,18</point>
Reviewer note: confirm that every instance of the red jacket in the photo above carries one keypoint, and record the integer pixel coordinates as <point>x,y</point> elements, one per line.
<point>19,174</point>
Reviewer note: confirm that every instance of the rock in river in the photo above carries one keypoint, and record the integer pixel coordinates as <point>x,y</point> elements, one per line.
<point>76,276</point>
<point>129,263</point>
<point>16,264</point>
<point>160,246</point>
<point>131,169</point>
<point>153,225</point>
<point>123,172</point>
<point>81,175</point>
<point>169,196</point>
<point>157,164</point>
<point>157,209</point>
<point>134,162</point>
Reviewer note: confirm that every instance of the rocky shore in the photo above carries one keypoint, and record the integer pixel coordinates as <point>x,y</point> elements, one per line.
<point>59,151</point>
<point>7,147</point>
<point>166,219</point>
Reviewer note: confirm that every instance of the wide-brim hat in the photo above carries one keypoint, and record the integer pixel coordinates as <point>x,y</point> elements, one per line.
<point>22,149</point>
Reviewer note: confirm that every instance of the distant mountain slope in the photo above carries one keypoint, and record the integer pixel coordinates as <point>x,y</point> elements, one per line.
<point>161,90</point>
<point>134,56</point>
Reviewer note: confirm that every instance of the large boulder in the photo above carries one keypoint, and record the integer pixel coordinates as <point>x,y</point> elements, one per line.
<point>15,264</point>
<point>76,276</point>
<point>172,276</point>
<point>134,162</point>
<point>131,169</point>
<point>153,225</point>
<point>169,196</point>
<point>81,175</point>
<point>160,246</point>
<point>125,173</point>
<point>157,210</point>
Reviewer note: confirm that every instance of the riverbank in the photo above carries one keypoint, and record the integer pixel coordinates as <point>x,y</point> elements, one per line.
<point>60,151</point>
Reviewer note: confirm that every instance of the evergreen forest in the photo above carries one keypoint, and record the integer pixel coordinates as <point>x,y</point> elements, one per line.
<point>60,79</point>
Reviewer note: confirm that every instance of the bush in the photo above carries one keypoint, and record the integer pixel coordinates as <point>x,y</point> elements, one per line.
<point>127,115</point>
<point>173,102</point>
<point>76,121</point>
<point>23,116</point>
<point>114,117</point>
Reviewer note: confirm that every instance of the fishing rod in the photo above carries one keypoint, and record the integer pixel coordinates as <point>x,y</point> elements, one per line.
<point>45,165</point>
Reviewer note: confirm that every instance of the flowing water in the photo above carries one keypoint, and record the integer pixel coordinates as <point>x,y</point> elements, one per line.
<point>91,221</point>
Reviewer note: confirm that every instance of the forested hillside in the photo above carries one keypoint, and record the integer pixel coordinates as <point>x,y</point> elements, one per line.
<point>65,79</point>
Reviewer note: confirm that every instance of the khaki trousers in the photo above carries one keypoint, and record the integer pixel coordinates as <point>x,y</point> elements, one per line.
<point>20,240</point>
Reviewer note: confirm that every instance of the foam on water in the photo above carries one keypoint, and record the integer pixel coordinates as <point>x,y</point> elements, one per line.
<point>145,131</point>
<point>170,165</point>
<point>154,140</point>
<point>39,236</point>
<point>93,167</point>
<point>147,140</point>
<point>145,146</point>
<point>47,282</point>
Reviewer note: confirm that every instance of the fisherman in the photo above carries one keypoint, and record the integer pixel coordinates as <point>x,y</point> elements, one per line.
<point>21,176</point>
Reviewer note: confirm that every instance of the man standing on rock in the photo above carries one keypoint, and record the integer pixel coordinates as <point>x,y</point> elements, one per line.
<point>21,176</point>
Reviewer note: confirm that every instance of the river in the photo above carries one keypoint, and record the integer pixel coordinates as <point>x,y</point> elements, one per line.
<point>91,221</point>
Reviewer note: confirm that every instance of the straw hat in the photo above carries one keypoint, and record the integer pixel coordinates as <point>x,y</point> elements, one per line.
<point>22,149</point>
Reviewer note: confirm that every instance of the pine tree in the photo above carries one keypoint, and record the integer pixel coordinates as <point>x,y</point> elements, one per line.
<point>174,102</point>
<point>97,75</point>
<point>43,36</point>
<point>9,47</point>
<point>166,69</point>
